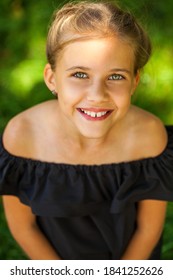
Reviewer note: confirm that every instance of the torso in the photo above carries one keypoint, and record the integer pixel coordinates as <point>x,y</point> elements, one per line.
<point>39,135</point>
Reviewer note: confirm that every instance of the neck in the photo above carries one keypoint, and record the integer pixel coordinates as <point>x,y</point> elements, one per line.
<point>90,144</point>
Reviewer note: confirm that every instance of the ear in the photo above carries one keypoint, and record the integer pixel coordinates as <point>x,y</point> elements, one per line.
<point>49,77</point>
<point>136,81</point>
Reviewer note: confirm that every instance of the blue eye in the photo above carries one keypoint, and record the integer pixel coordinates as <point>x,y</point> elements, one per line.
<point>116,77</point>
<point>80,75</point>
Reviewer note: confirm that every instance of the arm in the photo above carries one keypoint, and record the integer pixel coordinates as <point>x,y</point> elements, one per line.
<point>150,221</point>
<point>23,226</point>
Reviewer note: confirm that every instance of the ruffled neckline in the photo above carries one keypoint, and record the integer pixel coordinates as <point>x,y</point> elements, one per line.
<point>168,150</point>
<point>64,190</point>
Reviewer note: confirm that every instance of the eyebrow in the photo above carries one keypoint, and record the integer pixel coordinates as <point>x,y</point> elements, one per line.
<point>78,67</point>
<point>120,70</point>
<point>111,70</point>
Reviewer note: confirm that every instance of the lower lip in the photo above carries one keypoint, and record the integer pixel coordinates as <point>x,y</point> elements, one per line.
<point>89,118</point>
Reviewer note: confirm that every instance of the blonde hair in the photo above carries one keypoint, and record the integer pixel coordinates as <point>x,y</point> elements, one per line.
<point>83,20</point>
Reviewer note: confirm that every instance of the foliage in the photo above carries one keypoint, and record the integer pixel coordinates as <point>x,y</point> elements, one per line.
<point>23,29</point>
<point>167,249</point>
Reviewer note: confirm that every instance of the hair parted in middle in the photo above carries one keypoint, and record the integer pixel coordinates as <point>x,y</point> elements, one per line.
<point>86,20</point>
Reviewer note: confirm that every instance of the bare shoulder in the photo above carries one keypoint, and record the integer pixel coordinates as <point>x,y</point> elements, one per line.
<point>20,132</point>
<point>150,132</point>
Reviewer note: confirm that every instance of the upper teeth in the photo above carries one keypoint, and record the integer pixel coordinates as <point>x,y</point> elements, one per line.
<point>94,114</point>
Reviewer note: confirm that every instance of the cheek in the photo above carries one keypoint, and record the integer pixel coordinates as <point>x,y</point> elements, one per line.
<point>123,101</point>
<point>77,86</point>
<point>69,97</point>
<point>121,96</point>
<point>72,92</point>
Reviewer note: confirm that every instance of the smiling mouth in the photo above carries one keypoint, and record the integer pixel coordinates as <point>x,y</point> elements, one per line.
<point>95,114</point>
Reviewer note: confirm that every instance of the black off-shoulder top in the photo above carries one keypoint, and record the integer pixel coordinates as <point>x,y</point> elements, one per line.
<point>88,211</point>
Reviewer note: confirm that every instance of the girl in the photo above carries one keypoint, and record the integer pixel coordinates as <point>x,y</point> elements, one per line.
<point>87,175</point>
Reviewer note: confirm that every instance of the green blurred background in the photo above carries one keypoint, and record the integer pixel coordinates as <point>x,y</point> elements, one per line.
<point>23,30</point>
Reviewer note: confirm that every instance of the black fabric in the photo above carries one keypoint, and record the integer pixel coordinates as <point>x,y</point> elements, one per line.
<point>88,211</point>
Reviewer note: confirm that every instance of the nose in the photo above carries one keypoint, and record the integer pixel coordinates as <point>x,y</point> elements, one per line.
<point>97,92</point>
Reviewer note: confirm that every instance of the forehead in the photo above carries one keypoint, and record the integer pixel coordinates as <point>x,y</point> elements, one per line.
<point>98,51</point>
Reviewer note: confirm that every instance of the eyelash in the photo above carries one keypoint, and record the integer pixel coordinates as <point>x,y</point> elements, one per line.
<point>113,77</point>
<point>80,75</point>
<point>118,77</point>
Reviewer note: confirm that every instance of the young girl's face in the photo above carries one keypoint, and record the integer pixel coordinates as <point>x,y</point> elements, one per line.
<point>94,80</point>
